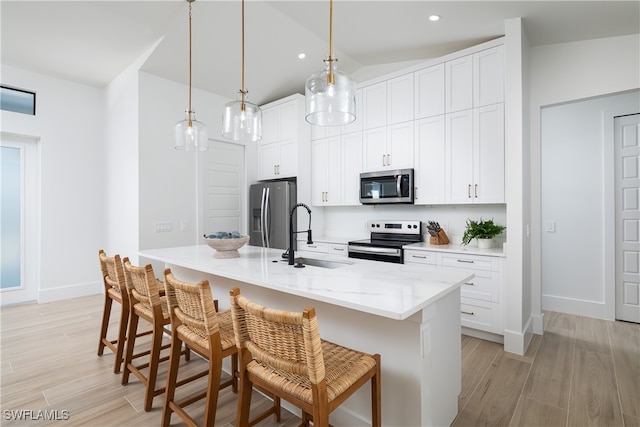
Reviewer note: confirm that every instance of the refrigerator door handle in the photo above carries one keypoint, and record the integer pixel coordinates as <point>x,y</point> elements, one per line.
<point>265,213</point>
<point>262,224</point>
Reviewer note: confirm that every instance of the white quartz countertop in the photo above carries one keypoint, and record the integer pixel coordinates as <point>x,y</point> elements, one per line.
<point>395,291</point>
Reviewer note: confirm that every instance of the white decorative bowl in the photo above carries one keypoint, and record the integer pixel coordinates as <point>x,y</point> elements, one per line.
<point>226,248</point>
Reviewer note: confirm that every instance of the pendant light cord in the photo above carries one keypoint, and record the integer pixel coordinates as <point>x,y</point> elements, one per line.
<point>243,92</point>
<point>330,60</point>
<point>190,110</point>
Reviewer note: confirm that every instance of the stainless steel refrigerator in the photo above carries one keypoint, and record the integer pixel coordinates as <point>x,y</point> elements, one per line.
<point>270,204</point>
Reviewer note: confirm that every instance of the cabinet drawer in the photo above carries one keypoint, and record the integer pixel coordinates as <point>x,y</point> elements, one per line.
<point>474,262</point>
<point>419,257</point>
<point>321,247</point>
<point>476,314</point>
<point>484,286</point>
<point>338,249</point>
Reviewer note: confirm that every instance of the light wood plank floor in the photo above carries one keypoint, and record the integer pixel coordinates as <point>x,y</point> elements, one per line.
<point>581,372</point>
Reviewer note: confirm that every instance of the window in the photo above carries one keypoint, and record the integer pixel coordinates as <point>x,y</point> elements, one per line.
<point>17,100</point>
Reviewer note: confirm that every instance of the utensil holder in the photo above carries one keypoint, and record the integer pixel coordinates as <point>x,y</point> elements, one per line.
<point>441,239</point>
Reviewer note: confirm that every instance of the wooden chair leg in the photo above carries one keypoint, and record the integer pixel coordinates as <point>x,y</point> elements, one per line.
<point>131,342</point>
<point>234,373</point>
<point>213,387</point>
<point>244,403</point>
<point>122,338</point>
<point>172,376</point>
<point>106,314</point>
<point>154,360</point>
<point>376,395</point>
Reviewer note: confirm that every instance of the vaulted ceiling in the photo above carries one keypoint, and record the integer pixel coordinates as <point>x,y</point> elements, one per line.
<point>93,41</point>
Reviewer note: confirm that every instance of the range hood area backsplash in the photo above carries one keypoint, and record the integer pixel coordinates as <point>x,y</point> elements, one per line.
<point>350,221</point>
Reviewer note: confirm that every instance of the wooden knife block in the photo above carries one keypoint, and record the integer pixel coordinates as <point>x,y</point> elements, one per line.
<point>442,239</point>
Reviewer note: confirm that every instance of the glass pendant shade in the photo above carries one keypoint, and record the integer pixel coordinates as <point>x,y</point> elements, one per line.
<point>242,121</point>
<point>330,103</point>
<point>190,134</point>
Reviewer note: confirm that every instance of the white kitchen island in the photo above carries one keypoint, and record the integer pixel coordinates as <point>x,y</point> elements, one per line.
<point>408,314</point>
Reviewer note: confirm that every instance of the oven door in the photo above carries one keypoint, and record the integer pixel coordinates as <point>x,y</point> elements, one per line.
<point>394,186</point>
<point>375,253</point>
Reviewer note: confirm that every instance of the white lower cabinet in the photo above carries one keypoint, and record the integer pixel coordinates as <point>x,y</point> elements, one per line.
<point>481,296</point>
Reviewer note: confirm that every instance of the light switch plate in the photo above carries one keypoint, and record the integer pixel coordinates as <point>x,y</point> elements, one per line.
<point>550,226</point>
<point>162,227</point>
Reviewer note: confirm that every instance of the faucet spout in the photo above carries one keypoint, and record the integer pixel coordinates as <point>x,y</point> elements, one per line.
<point>292,232</point>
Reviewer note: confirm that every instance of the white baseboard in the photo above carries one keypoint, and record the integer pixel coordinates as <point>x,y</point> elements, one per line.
<point>538,323</point>
<point>483,335</point>
<point>574,306</point>
<point>66,292</point>
<point>518,342</point>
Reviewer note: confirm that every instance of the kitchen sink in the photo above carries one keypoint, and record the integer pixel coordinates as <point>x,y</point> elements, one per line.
<point>324,263</point>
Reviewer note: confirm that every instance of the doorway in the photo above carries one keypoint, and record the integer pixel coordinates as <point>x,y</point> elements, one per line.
<point>18,219</point>
<point>223,205</point>
<point>627,217</point>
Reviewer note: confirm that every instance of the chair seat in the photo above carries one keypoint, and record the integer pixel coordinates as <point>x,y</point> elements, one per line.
<point>343,367</point>
<point>146,311</point>
<point>225,323</point>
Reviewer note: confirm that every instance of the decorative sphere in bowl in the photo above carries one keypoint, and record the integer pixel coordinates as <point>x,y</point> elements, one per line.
<point>226,247</point>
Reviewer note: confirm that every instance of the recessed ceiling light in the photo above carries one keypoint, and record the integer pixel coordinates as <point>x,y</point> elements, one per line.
<point>301,56</point>
<point>434,18</point>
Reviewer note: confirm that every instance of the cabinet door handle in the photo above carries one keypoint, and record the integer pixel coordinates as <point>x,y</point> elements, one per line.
<point>415,193</point>
<point>469,283</point>
<point>388,159</point>
<point>468,261</point>
<point>419,256</point>
<point>470,313</point>
<point>338,249</point>
<point>311,246</point>
<point>278,169</point>
<point>476,191</point>
<point>383,160</point>
<point>469,191</point>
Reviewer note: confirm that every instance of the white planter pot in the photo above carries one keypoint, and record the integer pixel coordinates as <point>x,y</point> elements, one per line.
<point>485,243</point>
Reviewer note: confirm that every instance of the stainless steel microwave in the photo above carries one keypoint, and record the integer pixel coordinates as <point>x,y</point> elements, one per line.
<point>390,186</point>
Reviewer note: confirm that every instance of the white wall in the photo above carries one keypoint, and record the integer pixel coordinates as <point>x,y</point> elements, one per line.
<point>167,177</point>
<point>567,72</point>
<point>574,138</point>
<point>70,127</point>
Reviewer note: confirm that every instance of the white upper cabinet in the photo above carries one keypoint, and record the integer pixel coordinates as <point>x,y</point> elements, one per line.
<point>336,169</point>
<point>389,147</point>
<point>475,155</point>
<point>459,84</point>
<point>488,145</point>
<point>488,77</point>
<point>356,125</point>
<point>374,105</point>
<point>459,156</point>
<point>475,80</point>
<point>400,99</point>
<point>429,92</point>
<point>387,102</point>
<point>351,168</point>
<point>278,148</point>
<point>429,178</point>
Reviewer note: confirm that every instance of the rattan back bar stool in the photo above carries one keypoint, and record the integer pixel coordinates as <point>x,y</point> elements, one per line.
<point>146,303</point>
<point>115,289</point>
<point>195,321</point>
<point>282,353</point>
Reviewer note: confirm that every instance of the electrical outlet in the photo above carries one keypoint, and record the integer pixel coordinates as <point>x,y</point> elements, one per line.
<point>184,225</point>
<point>162,227</point>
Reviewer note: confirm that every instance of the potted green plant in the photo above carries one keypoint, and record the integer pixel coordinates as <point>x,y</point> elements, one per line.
<point>482,230</point>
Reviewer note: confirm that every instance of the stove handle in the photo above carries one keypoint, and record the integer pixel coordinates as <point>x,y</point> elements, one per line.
<point>369,250</point>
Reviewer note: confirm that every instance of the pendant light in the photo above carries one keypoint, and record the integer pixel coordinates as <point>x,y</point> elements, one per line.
<point>190,134</point>
<point>242,120</point>
<point>330,94</point>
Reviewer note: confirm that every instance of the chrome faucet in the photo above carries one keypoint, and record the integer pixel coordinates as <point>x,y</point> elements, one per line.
<point>291,255</point>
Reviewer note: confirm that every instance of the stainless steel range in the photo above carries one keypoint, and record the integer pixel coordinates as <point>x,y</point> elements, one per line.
<point>387,239</point>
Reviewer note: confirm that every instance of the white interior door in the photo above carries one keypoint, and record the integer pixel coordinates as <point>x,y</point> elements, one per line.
<point>18,219</point>
<point>224,188</point>
<point>627,155</point>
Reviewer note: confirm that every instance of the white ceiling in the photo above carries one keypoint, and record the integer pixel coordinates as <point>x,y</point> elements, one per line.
<point>93,41</point>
